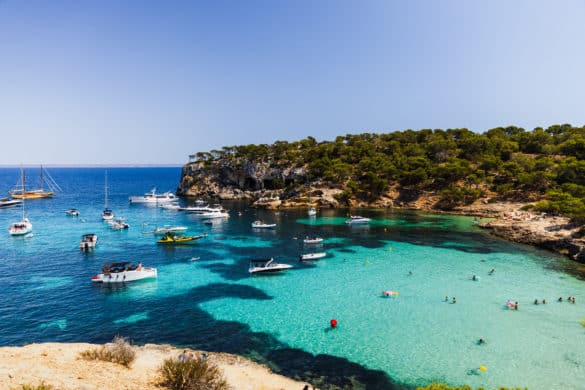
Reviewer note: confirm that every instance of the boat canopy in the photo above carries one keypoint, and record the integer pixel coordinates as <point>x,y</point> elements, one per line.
<point>118,267</point>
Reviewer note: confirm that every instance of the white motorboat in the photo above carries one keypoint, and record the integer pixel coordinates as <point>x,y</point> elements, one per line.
<point>200,206</point>
<point>153,198</point>
<point>313,256</point>
<point>170,206</point>
<point>214,213</point>
<point>119,224</point>
<point>168,229</point>
<point>313,240</point>
<point>72,212</point>
<point>261,225</point>
<point>261,266</point>
<point>6,202</point>
<point>356,219</point>
<point>88,241</point>
<point>107,214</point>
<point>124,272</point>
<point>312,211</point>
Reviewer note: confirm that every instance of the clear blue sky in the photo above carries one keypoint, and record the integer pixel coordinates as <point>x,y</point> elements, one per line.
<point>119,82</point>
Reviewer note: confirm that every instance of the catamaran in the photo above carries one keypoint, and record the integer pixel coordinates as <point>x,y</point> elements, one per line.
<point>20,191</point>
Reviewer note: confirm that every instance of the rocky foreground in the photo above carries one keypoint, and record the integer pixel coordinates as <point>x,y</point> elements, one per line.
<point>59,365</point>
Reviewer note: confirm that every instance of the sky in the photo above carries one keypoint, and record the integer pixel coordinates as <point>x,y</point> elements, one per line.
<point>153,81</point>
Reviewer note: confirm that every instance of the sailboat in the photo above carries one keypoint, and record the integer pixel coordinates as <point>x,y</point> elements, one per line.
<point>312,210</point>
<point>107,214</point>
<point>22,227</point>
<point>20,192</point>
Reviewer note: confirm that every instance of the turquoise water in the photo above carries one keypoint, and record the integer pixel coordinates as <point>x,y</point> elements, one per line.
<point>205,298</point>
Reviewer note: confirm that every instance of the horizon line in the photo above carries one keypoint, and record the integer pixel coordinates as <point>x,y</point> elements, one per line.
<point>92,165</point>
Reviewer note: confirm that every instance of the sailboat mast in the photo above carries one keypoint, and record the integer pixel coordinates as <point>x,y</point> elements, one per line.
<point>106,191</point>
<point>41,178</point>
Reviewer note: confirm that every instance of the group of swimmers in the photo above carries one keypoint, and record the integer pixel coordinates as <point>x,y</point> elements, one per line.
<point>447,299</point>
<point>570,299</point>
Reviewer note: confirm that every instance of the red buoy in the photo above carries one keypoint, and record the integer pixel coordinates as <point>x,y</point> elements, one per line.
<point>333,323</point>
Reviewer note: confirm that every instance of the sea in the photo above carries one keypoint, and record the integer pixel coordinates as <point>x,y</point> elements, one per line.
<point>205,298</point>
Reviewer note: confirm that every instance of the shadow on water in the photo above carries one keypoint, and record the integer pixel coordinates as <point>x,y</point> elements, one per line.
<point>180,321</point>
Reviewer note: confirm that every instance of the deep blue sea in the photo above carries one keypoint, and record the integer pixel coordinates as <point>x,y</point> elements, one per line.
<point>204,297</point>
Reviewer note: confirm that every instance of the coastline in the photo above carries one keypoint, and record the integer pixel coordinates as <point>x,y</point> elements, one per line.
<point>59,365</point>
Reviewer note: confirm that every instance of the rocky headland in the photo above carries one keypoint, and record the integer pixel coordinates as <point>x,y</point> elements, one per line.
<point>257,182</point>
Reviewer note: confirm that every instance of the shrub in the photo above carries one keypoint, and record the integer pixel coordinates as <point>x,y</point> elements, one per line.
<point>191,375</point>
<point>118,351</point>
<point>41,386</point>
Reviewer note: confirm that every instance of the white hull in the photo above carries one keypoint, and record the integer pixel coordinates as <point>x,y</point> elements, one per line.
<point>5,203</point>
<point>313,256</point>
<point>261,225</point>
<point>357,220</point>
<point>20,228</point>
<point>312,212</point>
<point>165,230</point>
<point>88,241</point>
<point>165,198</point>
<point>317,240</point>
<point>126,276</point>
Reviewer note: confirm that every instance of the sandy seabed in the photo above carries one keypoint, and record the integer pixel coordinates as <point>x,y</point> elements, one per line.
<point>59,365</point>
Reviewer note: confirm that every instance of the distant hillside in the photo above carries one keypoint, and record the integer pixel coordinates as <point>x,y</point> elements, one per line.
<point>449,168</point>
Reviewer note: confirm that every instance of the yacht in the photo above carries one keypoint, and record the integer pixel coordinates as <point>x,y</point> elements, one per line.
<point>153,198</point>
<point>355,219</point>
<point>199,206</point>
<point>88,241</point>
<point>313,256</point>
<point>313,240</point>
<point>124,272</point>
<point>261,225</point>
<point>214,213</point>
<point>262,266</point>
<point>6,202</point>
<point>21,192</point>
<point>21,227</point>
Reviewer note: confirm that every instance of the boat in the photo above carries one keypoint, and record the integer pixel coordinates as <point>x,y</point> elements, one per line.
<point>313,256</point>
<point>72,212</point>
<point>175,238</point>
<point>198,207</point>
<point>88,241</point>
<point>124,272</point>
<point>313,240</point>
<point>170,206</point>
<point>118,224</point>
<point>22,227</point>
<point>20,191</point>
<point>214,213</point>
<point>261,225</point>
<point>169,229</point>
<point>107,214</point>
<point>356,219</point>
<point>153,198</point>
<point>7,202</point>
<point>312,211</point>
<point>264,266</point>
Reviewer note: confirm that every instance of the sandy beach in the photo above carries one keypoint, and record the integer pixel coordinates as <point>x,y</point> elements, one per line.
<point>59,365</point>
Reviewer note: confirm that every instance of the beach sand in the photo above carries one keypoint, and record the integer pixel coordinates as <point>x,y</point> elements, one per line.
<point>59,365</point>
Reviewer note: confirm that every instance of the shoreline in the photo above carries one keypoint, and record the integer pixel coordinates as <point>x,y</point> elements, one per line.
<point>59,365</point>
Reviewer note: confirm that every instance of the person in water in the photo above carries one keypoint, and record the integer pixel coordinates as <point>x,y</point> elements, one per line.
<point>454,300</point>
<point>544,301</point>
<point>560,299</point>
<point>481,341</point>
<point>474,277</point>
<point>515,305</point>
<point>536,301</point>
<point>492,271</point>
<point>446,298</point>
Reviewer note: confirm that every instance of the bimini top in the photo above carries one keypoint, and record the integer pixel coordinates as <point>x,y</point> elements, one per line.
<point>118,267</point>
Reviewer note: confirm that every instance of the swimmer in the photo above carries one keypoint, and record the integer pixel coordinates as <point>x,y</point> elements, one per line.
<point>446,298</point>
<point>515,305</point>
<point>544,301</point>
<point>474,277</point>
<point>454,300</point>
<point>492,271</point>
<point>536,301</point>
<point>560,299</point>
<point>409,273</point>
<point>481,341</point>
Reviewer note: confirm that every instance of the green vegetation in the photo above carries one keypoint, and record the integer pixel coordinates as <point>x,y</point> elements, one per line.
<point>191,374</point>
<point>118,351</point>
<point>505,163</point>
